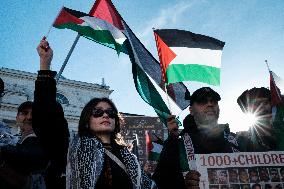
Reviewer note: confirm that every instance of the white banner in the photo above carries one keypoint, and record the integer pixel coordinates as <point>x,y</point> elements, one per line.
<point>248,170</point>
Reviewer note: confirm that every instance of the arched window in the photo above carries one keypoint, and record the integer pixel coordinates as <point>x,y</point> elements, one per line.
<point>61,99</point>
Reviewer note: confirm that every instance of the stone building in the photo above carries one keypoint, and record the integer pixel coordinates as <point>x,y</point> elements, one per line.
<point>73,95</point>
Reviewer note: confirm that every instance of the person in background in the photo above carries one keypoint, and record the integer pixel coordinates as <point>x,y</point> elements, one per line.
<point>203,132</point>
<point>23,165</point>
<point>259,137</point>
<point>95,158</point>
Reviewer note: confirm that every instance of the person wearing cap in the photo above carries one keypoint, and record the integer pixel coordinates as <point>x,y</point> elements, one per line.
<point>259,137</point>
<point>25,161</point>
<point>206,135</point>
<point>97,156</point>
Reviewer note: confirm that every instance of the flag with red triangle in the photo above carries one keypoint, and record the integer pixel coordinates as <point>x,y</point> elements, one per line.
<point>154,148</point>
<point>93,28</point>
<point>186,56</point>
<point>276,87</point>
<point>146,70</point>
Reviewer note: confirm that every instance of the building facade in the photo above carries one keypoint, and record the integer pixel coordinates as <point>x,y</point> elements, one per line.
<point>73,95</point>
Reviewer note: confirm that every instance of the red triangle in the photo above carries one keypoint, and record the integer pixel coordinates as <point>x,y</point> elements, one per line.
<point>65,17</point>
<point>166,55</point>
<point>275,92</point>
<point>149,145</point>
<point>105,10</point>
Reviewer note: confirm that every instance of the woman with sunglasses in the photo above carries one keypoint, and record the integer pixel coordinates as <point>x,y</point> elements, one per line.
<point>95,158</point>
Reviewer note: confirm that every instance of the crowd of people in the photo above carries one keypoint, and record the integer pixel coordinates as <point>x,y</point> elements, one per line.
<point>44,156</point>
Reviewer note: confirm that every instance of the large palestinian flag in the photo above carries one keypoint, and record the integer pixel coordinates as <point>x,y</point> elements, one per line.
<point>92,28</point>
<point>186,56</point>
<point>146,70</point>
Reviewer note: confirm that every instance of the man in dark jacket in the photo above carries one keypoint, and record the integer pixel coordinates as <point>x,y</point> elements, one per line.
<point>202,131</point>
<point>26,161</point>
<point>49,123</point>
<point>259,137</point>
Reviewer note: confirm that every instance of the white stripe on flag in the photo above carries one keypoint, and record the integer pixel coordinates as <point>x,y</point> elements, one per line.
<point>99,24</point>
<point>199,56</point>
<point>278,82</point>
<point>173,107</point>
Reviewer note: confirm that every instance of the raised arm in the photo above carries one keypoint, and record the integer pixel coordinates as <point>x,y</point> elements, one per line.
<point>49,123</point>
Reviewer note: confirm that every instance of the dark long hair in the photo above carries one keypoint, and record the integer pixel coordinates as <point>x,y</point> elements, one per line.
<point>84,128</point>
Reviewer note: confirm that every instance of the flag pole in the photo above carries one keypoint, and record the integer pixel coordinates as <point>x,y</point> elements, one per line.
<point>168,99</point>
<point>50,27</point>
<point>67,57</point>
<point>267,65</point>
<point>69,53</point>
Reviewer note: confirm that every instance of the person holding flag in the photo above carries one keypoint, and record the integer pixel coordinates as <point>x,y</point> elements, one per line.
<point>95,159</point>
<point>201,135</point>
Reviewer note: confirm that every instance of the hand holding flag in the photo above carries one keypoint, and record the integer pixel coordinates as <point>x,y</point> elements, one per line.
<point>45,53</point>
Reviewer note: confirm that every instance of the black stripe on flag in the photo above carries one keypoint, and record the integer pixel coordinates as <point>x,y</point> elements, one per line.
<point>75,13</point>
<point>182,38</point>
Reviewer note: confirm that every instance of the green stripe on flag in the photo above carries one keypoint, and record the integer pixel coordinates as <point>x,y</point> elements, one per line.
<point>103,37</point>
<point>148,92</point>
<point>181,72</point>
<point>153,156</point>
<point>183,157</point>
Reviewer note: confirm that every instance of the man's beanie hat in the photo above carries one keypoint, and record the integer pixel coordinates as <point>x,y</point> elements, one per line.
<point>203,93</point>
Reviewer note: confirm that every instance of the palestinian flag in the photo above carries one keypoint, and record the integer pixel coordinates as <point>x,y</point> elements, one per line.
<point>186,56</point>
<point>146,70</point>
<point>92,28</point>
<point>148,81</point>
<point>154,148</point>
<point>276,87</point>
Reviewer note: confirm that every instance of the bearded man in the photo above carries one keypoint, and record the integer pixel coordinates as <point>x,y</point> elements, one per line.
<point>201,135</point>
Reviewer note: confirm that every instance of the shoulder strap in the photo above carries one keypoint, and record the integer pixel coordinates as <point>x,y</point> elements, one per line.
<point>115,159</point>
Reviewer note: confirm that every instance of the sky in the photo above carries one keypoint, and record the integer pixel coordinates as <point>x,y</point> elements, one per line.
<point>252,30</point>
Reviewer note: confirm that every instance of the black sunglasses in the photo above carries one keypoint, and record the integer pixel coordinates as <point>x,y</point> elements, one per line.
<point>99,113</point>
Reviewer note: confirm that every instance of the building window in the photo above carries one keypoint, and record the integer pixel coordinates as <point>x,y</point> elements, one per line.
<point>61,99</point>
